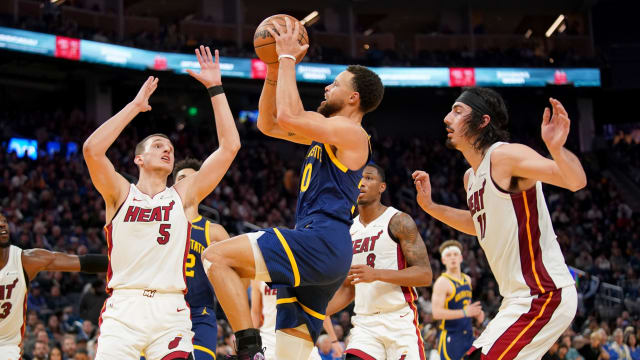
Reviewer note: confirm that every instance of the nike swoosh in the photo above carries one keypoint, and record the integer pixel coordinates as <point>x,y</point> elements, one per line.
<point>134,199</point>
<point>405,314</point>
<point>181,309</point>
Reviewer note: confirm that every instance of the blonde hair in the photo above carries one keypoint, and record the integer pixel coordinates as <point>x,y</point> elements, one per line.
<point>448,243</point>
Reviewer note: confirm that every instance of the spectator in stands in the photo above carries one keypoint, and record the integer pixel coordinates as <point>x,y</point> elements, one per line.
<point>55,354</point>
<point>618,349</point>
<point>594,350</point>
<point>92,301</point>
<point>40,351</point>
<point>69,347</point>
<point>630,342</point>
<point>572,353</point>
<point>36,301</point>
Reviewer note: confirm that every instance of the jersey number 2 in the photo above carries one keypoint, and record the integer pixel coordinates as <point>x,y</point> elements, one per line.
<point>164,234</point>
<point>191,262</point>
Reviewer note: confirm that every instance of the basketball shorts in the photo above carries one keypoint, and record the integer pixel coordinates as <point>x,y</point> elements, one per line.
<point>143,321</point>
<point>525,328</point>
<point>454,345</point>
<point>205,329</point>
<point>391,335</point>
<point>9,352</point>
<point>307,265</point>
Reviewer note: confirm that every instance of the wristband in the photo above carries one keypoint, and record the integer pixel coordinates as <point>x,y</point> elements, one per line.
<point>287,56</point>
<point>465,313</point>
<point>93,263</point>
<point>215,90</point>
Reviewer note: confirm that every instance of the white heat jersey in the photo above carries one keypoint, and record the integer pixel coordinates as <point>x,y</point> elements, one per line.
<point>516,234</point>
<point>148,243</point>
<point>373,246</point>
<point>269,296</point>
<point>13,300</point>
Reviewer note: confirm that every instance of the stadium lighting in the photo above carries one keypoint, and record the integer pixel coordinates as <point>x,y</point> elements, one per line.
<point>554,26</point>
<point>528,34</point>
<point>57,2</point>
<point>311,18</point>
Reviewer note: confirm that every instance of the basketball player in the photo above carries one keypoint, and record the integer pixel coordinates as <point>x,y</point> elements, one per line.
<point>263,315</point>
<point>308,264</point>
<point>451,303</point>
<point>148,229</point>
<point>389,260</point>
<point>200,297</point>
<point>508,214</point>
<point>17,268</point>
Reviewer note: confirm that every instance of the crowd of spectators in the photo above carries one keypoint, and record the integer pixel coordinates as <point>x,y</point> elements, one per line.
<point>169,37</point>
<point>51,203</point>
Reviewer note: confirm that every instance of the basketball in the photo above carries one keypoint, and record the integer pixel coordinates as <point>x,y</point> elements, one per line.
<point>265,45</point>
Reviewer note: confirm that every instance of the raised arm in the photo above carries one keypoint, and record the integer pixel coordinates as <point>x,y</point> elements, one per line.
<point>112,186</point>
<point>564,170</point>
<point>418,270</point>
<point>36,260</point>
<point>347,136</point>
<point>196,187</point>
<point>458,219</point>
<point>267,113</point>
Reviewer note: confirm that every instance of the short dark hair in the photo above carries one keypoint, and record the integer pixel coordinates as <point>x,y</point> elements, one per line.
<point>368,85</point>
<point>380,171</point>
<point>497,128</point>
<point>140,146</point>
<point>188,163</point>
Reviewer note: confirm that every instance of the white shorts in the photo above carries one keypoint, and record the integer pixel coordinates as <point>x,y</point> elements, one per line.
<point>141,321</point>
<point>9,352</point>
<point>525,328</point>
<point>392,335</point>
<point>269,343</point>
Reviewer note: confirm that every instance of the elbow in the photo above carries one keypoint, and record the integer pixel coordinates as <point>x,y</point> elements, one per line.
<point>428,277</point>
<point>88,149</point>
<point>579,185</point>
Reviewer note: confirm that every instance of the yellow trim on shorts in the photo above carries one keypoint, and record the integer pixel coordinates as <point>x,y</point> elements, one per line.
<point>444,344</point>
<point>204,349</point>
<point>334,159</point>
<point>292,260</point>
<point>528,326</point>
<point>206,232</point>
<point>311,312</point>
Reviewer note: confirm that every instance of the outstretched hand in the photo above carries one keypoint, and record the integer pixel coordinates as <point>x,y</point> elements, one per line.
<point>141,101</point>
<point>555,128</point>
<point>209,74</point>
<point>287,42</point>
<point>423,188</point>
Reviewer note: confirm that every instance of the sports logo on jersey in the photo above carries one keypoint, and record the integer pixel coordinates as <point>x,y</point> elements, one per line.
<point>138,214</point>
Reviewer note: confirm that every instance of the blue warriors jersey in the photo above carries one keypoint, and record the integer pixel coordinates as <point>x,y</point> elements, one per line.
<point>327,187</point>
<point>458,299</point>
<point>200,292</point>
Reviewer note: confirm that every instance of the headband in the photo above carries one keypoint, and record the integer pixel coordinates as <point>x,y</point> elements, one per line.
<point>475,102</point>
<point>450,249</point>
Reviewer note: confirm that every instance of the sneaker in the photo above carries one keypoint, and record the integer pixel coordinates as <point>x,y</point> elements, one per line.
<point>252,353</point>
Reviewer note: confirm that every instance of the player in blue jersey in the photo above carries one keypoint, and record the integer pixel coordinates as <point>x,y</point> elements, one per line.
<point>451,303</point>
<point>200,295</point>
<point>308,264</point>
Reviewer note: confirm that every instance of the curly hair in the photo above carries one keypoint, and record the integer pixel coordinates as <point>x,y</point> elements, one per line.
<point>368,85</point>
<point>497,128</point>
<point>188,163</point>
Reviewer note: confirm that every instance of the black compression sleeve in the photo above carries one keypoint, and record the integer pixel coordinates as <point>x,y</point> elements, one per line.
<point>93,263</point>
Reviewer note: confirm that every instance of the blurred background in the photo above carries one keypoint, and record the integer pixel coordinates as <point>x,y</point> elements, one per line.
<point>67,66</point>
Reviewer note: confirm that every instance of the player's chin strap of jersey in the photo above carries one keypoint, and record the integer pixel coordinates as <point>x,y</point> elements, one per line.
<point>94,263</point>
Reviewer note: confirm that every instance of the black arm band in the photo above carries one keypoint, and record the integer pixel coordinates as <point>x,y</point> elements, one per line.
<point>94,263</point>
<point>215,90</point>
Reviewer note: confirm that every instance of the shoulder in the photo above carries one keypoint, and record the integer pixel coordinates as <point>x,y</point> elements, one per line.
<point>442,284</point>
<point>401,224</point>
<point>510,151</point>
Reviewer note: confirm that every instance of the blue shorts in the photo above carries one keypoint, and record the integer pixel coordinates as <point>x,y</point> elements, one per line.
<point>307,266</point>
<point>454,345</point>
<point>205,327</point>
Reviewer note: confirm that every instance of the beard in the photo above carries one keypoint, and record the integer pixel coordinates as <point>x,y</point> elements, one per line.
<point>328,109</point>
<point>449,144</point>
<point>5,244</point>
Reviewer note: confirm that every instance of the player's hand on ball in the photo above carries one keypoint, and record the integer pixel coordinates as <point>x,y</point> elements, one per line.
<point>209,68</point>
<point>361,274</point>
<point>555,128</point>
<point>474,310</point>
<point>287,42</point>
<point>141,101</point>
<point>423,188</point>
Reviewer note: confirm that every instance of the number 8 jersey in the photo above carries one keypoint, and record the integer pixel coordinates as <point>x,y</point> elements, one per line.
<point>373,245</point>
<point>148,243</point>
<point>516,234</point>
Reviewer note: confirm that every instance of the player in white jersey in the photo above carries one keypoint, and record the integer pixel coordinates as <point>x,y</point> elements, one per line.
<point>17,268</point>
<point>148,230</point>
<point>389,260</point>
<point>508,214</point>
<point>263,315</point>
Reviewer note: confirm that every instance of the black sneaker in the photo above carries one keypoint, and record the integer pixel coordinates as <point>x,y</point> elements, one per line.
<point>252,353</point>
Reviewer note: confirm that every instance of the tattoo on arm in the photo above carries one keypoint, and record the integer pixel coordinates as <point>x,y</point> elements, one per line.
<point>405,230</point>
<point>271,82</point>
<point>291,134</point>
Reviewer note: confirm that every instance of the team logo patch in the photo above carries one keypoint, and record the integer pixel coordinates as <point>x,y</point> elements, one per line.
<point>174,343</point>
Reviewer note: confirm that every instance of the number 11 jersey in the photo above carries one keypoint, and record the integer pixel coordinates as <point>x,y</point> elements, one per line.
<point>148,243</point>
<point>373,245</point>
